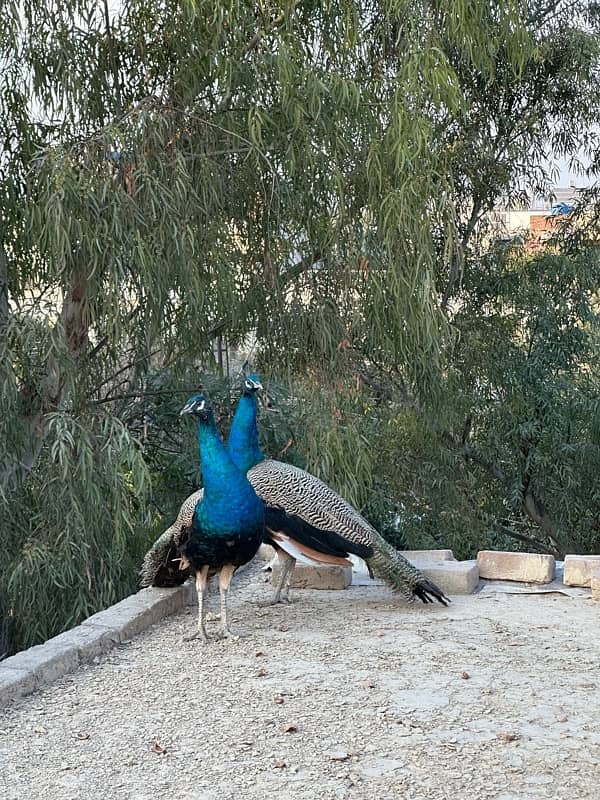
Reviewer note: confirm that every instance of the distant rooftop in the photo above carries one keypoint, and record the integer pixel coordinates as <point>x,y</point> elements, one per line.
<point>558,195</point>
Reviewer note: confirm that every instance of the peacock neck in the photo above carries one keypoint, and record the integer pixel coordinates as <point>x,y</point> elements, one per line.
<point>219,474</point>
<point>242,444</point>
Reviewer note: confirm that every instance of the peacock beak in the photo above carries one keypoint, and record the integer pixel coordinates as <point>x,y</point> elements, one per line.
<point>192,406</point>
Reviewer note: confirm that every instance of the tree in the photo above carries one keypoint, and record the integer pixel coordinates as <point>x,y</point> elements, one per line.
<point>184,169</point>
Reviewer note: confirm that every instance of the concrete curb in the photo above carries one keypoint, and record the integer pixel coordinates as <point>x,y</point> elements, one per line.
<point>38,666</point>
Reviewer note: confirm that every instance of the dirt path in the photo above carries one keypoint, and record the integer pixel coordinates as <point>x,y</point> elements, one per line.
<point>343,695</point>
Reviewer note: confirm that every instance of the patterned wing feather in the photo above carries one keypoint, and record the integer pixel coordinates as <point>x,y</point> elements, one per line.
<point>161,564</point>
<point>305,496</point>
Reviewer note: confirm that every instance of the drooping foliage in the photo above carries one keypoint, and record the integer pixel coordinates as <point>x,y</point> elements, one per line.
<point>180,173</point>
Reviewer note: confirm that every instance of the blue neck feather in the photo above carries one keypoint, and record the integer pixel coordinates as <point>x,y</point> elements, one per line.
<point>242,444</point>
<point>230,504</point>
<point>220,476</point>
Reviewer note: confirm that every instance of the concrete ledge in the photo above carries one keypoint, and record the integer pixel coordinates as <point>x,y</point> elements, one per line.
<point>522,567</point>
<point>138,611</point>
<point>311,576</point>
<point>15,683</point>
<point>30,669</point>
<point>453,577</point>
<point>578,569</point>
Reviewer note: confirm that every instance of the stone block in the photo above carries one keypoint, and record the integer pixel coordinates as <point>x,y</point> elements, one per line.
<point>578,570</point>
<point>595,582</point>
<point>266,552</point>
<point>523,567</point>
<point>453,577</point>
<point>313,576</point>
<point>428,555</point>
<point>15,683</point>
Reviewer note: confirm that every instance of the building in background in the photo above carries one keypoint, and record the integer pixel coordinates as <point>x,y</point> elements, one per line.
<point>534,223</point>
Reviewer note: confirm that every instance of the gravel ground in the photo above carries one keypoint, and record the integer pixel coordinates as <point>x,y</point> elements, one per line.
<point>341,695</point>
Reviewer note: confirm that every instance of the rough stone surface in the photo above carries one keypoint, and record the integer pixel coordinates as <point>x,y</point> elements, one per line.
<point>428,555</point>
<point>523,567</point>
<point>578,569</point>
<point>14,683</point>
<point>453,577</point>
<point>45,662</point>
<point>309,576</point>
<point>492,698</point>
<point>595,582</point>
<point>88,641</point>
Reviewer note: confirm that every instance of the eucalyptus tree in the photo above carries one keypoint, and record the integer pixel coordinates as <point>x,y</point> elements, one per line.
<point>177,169</point>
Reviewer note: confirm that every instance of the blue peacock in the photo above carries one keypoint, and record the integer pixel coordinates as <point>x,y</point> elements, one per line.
<point>303,516</point>
<point>227,524</point>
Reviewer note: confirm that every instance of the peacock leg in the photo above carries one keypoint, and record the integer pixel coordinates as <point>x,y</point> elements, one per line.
<point>225,576</point>
<point>201,584</point>
<point>288,563</point>
<point>286,580</point>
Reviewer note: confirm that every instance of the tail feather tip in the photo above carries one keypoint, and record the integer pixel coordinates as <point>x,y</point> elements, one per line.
<point>427,592</point>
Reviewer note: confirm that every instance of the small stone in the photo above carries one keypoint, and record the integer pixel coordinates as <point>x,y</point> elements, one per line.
<point>579,569</point>
<point>279,700</point>
<point>523,567</point>
<point>465,676</point>
<point>507,736</point>
<point>338,755</point>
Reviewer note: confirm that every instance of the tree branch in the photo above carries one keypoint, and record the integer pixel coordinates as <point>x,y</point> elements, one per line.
<point>520,537</point>
<point>74,330</point>
<point>478,458</point>
<point>530,504</point>
<point>4,307</point>
<point>142,393</point>
<point>113,60</point>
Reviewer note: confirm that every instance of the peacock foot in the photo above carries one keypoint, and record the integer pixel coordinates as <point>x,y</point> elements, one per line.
<point>227,633</point>
<point>273,601</point>
<point>201,635</point>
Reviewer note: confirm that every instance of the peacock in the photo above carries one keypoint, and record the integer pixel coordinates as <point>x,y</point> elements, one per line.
<point>303,516</point>
<point>227,523</point>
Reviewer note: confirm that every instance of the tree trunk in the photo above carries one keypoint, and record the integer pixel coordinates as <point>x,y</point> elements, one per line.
<point>74,331</point>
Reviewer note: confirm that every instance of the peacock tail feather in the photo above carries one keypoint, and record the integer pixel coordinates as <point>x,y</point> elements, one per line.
<point>161,563</point>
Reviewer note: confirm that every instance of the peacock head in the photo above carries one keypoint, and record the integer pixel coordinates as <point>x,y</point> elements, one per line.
<point>199,406</point>
<point>252,383</point>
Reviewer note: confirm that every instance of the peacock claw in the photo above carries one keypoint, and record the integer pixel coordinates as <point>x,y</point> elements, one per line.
<point>225,633</point>
<point>274,601</point>
<point>202,636</point>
